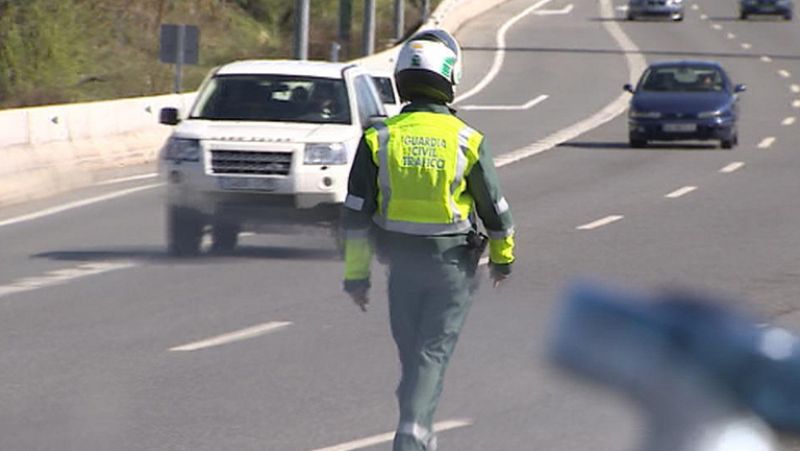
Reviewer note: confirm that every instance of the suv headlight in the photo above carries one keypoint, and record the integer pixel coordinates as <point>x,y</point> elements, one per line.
<point>644,114</point>
<point>334,153</point>
<point>182,149</point>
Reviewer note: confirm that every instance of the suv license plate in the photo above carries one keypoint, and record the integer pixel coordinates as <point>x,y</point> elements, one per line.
<point>680,128</point>
<point>247,184</point>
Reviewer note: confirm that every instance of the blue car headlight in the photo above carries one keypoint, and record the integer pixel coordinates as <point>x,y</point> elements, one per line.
<point>709,114</point>
<point>636,114</point>
<point>714,114</point>
<point>182,149</point>
<point>334,153</point>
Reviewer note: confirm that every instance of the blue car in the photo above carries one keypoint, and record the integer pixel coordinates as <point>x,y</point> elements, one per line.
<point>784,8</point>
<point>684,101</point>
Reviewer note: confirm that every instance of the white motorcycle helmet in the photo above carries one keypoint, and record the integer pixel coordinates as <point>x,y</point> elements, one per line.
<point>429,66</point>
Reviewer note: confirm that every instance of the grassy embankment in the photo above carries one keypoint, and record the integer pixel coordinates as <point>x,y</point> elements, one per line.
<point>60,51</point>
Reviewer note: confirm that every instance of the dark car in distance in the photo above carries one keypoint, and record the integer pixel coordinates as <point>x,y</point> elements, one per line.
<point>684,101</point>
<point>784,8</point>
<point>671,9</point>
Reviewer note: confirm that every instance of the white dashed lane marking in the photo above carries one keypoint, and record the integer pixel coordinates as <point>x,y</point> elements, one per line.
<point>62,276</point>
<point>77,204</point>
<point>681,192</point>
<point>796,104</point>
<point>556,12</point>
<point>735,166</point>
<point>389,436</point>
<point>766,143</point>
<point>244,334</point>
<point>784,73</point>
<point>789,121</point>
<point>766,59</point>
<point>717,26</point>
<point>601,222</point>
<point>132,178</point>
<point>795,89</point>
<point>731,36</point>
<point>525,106</point>
<point>747,46</point>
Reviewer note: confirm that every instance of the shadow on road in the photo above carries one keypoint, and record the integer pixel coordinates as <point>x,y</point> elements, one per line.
<point>160,255</point>
<point>610,145</point>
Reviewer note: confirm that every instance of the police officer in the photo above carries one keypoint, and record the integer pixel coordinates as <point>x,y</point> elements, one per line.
<point>417,182</point>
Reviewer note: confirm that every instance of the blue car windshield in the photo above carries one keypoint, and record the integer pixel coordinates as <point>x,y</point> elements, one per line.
<point>274,98</point>
<point>683,79</point>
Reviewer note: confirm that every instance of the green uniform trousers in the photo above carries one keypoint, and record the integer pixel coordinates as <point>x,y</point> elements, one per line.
<point>429,297</point>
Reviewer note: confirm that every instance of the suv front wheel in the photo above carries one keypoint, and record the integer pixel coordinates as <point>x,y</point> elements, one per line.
<point>225,237</point>
<point>184,231</point>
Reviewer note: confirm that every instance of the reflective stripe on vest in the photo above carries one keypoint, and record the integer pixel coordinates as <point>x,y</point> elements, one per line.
<point>430,151</point>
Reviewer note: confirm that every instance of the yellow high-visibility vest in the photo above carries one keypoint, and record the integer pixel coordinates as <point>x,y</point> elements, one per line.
<point>423,159</point>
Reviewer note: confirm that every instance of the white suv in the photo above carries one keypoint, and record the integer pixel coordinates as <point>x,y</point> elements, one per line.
<point>267,147</point>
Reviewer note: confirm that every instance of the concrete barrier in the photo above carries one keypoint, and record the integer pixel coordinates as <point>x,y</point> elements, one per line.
<point>45,150</point>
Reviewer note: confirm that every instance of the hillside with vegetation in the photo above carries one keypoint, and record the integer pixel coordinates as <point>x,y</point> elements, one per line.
<point>62,51</point>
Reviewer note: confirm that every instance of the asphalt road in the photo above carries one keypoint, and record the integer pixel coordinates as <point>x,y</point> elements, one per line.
<point>93,313</point>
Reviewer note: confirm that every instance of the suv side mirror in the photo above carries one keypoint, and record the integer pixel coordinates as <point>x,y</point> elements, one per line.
<point>628,87</point>
<point>169,116</point>
<point>740,88</point>
<point>373,120</point>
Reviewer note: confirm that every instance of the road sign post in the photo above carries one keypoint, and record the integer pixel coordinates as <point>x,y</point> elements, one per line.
<point>302,10</point>
<point>369,27</point>
<point>179,45</point>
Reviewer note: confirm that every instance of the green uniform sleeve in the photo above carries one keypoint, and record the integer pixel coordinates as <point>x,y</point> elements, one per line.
<point>359,207</point>
<point>492,207</point>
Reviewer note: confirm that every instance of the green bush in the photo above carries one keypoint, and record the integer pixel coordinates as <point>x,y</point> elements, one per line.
<point>58,51</point>
<point>42,50</point>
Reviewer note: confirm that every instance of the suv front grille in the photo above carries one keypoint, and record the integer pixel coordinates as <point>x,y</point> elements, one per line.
<point>247,162</point>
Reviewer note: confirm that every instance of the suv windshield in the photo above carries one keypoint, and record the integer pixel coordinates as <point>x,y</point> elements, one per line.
<point>683,79</point>
<point>274,98</point>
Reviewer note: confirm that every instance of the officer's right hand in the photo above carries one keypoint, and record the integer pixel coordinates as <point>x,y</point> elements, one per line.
<point>361,297</point>
<point>499,273</point>
<point>358,290</point>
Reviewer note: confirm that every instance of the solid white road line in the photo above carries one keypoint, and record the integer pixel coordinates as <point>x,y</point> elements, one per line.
<point>500,55</point>
<point>795,88</point>
<point>784,73</point>
<point>524,106</point>
<point>600,223</point>
<point>555,12</point>
<point>681,192</point>
<point>747,46</point>
<point>77,204</point>
<point>789,121</point>
<point>132,178</point>
<point>636,65</point>
<point>62,276</point>
<point>766,143</point>
<point>735,166</point>
<point>766,59</point>
<point>244,334</point>
<point>389,436</point>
